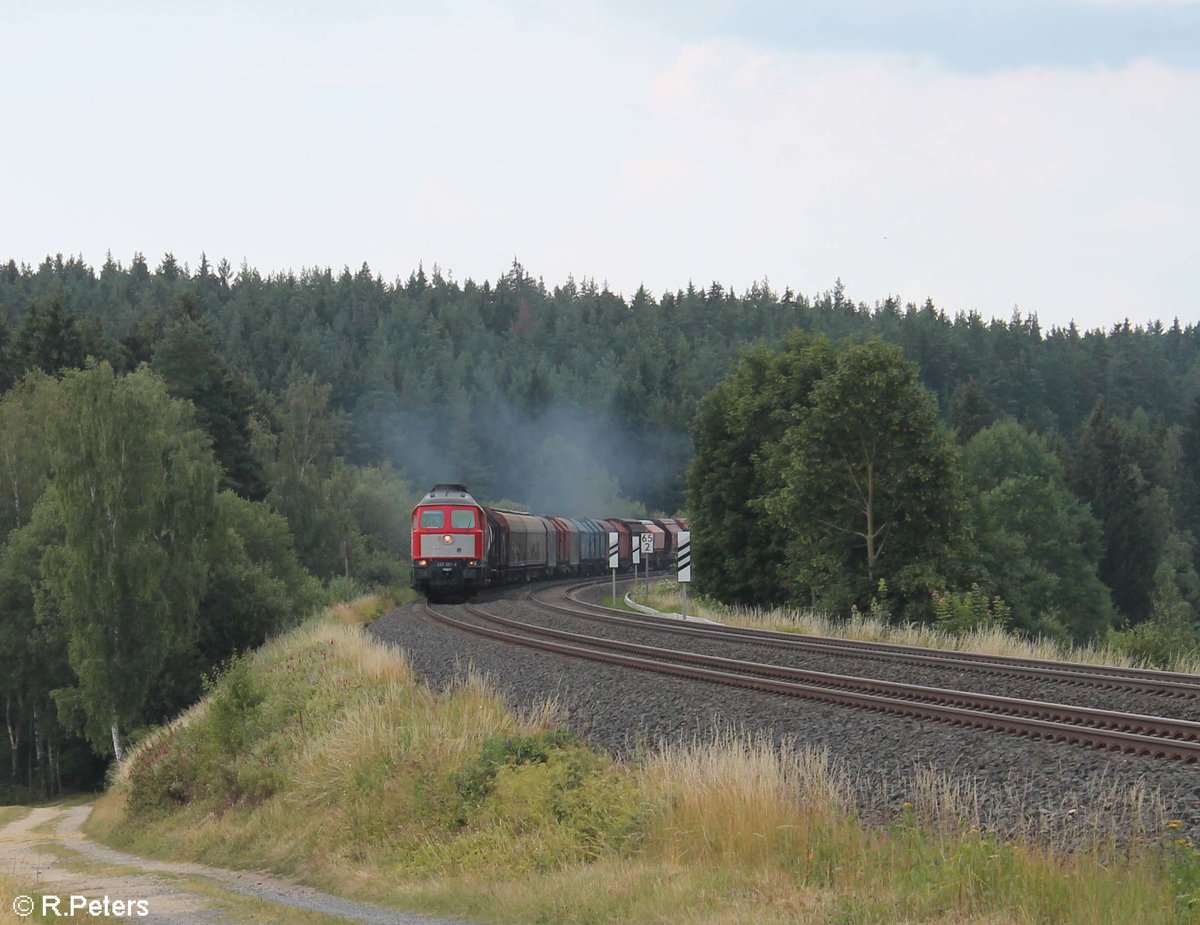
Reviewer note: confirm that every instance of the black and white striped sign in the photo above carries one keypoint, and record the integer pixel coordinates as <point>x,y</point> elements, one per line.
<point>683,557</point>
<point>637,553</point>
<point>613,559</point>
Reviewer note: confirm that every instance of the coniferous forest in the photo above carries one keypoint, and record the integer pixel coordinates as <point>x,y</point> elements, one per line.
<point>195,457</point>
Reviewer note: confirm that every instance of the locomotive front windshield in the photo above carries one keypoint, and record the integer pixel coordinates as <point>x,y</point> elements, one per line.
<point>462,520</point>
<point>432,519</point>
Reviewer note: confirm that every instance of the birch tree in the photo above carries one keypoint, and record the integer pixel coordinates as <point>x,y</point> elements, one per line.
<point>23,464</point>
<point>134,483</point>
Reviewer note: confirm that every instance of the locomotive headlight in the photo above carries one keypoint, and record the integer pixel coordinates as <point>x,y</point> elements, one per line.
<point>447,539</point>
<point>422,562</point>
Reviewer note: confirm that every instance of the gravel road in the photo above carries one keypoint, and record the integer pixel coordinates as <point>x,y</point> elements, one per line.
<point>95,871</point>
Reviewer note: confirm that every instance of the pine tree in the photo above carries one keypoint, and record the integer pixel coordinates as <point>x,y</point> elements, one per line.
<point>51,339</point>
<point>188,358</point>
<point>1106,475</point>
<point>8,365</point>
<point>1189,473</point>
<point>970,411</point>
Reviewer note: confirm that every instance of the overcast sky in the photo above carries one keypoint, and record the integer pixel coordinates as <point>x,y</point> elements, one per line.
<point>1042,154</point>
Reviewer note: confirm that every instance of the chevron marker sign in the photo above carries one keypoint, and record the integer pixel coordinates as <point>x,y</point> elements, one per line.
<point>684,556</point>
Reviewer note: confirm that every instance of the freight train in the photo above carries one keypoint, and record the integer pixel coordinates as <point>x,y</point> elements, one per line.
<point>460,547</point>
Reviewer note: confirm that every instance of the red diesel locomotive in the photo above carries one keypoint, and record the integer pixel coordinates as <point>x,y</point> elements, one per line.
<point>459,546</point>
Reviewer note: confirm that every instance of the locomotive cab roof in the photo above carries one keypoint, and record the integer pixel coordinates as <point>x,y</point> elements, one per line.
<point>454,494</point>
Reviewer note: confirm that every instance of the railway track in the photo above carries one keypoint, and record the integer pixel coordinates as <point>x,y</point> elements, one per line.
<point>1175,684</point>
<point>1125,732</point>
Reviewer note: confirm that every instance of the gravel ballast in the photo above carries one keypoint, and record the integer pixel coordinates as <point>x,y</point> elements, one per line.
<point>674,636</point>
<point>1120,698</point>
<point>1022,784</point>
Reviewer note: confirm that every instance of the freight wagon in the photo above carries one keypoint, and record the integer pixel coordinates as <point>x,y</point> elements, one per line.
<point>459,546</point>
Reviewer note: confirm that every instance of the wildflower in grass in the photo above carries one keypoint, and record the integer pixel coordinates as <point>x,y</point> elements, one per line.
<point>1173,824</point>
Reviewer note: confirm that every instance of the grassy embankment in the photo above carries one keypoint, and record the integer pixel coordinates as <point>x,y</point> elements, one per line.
<point>321,756</point>
<point>994,640</point>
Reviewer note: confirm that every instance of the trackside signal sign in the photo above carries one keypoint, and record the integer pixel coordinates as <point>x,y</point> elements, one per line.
<point>684,556</point>
<point>613,560</point>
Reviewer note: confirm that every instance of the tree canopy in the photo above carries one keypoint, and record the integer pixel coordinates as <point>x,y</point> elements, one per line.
<point>1039,545</point>
<point>866,486</point>
<point>738,555</point>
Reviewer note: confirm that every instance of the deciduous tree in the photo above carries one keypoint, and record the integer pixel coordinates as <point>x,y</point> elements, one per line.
<point>23,460</point>
<point>310,485</point>
<point>738,550</point>
<point>1040,546</point>
<point>868,486</point>
<point>133,482</point>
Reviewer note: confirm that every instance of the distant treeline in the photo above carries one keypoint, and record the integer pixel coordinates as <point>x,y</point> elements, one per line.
<point>306,412</point>
<point>435,374</point>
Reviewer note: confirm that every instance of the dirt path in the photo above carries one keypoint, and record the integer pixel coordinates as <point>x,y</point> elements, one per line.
<point>47,853</point>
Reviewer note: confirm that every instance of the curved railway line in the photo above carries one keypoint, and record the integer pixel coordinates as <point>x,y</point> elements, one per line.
<point>1101,676</point>
<point>1155,736</point>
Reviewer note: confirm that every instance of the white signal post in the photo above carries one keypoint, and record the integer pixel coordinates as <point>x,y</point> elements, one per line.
<point>614,561</point>
<point>683,561</point>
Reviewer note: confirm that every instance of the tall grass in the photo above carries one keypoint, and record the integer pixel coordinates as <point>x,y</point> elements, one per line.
<point>989,640</point>
<point>740,801</point>
<point>736,798</point>
<point>322,755</point>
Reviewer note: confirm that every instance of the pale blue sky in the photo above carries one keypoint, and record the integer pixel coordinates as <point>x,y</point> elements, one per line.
<point>988,155</point>
<point>965,35</point>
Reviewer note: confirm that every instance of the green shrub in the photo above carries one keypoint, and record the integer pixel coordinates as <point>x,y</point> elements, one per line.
<point>208,758</point>
<point>963,611</point>
<point>1168,637</point>
<point>163,777</point>
<point>477,780</point>
<point>237,693</point>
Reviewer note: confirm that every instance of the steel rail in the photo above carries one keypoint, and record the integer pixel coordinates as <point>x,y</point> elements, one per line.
<point>1164,727</point>
<point>857,692</point>
<point>1103,676</point>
